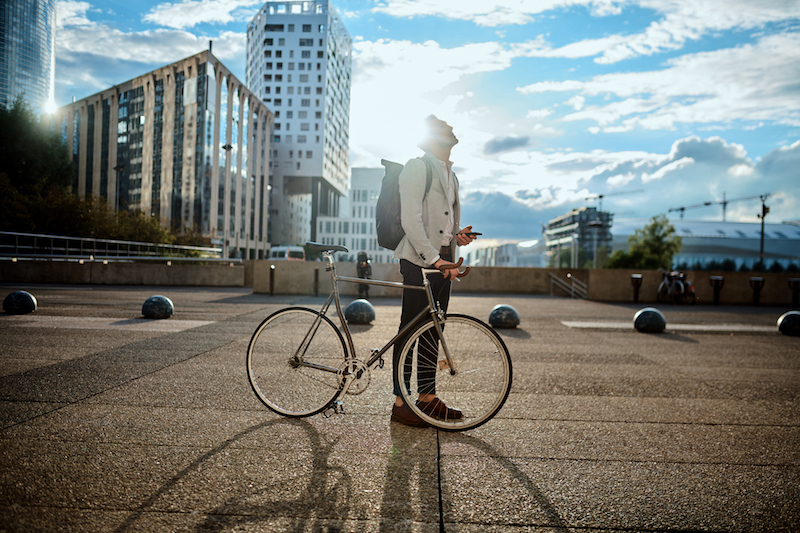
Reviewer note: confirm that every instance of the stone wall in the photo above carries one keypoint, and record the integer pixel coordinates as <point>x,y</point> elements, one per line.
<point>290,277</point>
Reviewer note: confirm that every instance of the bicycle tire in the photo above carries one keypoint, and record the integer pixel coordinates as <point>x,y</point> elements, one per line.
<point>483,372</point>
<point>284,383</point>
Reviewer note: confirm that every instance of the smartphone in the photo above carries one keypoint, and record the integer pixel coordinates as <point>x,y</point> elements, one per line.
<point>470,233</point>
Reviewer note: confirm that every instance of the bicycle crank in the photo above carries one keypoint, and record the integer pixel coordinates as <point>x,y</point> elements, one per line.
<point>359,375</point>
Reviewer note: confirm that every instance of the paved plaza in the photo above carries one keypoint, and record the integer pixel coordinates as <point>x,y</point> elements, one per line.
<point>113,422</point>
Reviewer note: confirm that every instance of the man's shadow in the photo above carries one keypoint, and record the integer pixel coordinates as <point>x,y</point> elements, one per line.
<point>409,464</point>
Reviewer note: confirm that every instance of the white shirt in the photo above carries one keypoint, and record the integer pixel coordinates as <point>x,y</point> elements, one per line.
<point>447,167</point>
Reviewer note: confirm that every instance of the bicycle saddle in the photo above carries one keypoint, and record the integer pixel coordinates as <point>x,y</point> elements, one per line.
<point>317,247</point>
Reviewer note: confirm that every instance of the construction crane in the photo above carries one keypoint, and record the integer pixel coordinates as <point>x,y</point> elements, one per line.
<point>599,197</point>
<point>724,203</point>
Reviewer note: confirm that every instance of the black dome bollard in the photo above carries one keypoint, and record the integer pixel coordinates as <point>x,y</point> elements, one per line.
<point>19,303</point>
<point>789,323</point>
<point>359,312</point>
<point>158,307</point>
<point>504,316</point>
<point>649,320</point>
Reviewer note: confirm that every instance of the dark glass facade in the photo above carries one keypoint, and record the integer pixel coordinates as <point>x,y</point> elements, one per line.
<point>27,45</point>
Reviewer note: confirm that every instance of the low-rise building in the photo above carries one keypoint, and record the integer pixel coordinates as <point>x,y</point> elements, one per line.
<point>705,241</point>
<point>355,228</point>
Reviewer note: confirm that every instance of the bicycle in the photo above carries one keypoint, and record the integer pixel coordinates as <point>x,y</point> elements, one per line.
<point>299,364</point>
<point>670,288</point>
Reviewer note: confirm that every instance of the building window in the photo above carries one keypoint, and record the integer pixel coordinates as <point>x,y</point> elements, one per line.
<point>291,26</point>
<point>305,102</point>
<point>273,27</point>
<point>305,54</point>
<point>309,154</point>
<point>306,42</point>
<point>301,138</point>
<point>306,28</point>
<point>320,54</point>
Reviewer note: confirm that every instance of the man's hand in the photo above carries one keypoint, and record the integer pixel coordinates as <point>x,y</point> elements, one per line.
<point>466,236</point>
<point>449,273</point>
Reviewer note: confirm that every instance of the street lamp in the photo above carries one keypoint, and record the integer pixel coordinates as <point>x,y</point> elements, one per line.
<point>227,147</point>
<point>117,170</point>
<point>762,216</point>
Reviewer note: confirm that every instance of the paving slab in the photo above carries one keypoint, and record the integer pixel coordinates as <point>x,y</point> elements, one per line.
<point>111,422</point>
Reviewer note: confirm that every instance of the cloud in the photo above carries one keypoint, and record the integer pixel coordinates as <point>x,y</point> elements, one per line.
<point>678,23</point>
<point>505,144</point>
<point>425,78</point>
<point>753,82</point>
<point>92,55</point>
<point>189,13</point>
<point>538,113</point>
<point>625,179</point>
<point>72,14</point>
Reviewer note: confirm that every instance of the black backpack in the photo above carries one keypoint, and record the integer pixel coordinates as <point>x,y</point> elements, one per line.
<point>387,212</point>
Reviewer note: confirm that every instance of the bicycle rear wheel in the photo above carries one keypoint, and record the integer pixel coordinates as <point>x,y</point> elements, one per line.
<point>481,378</point>
<point>293,361</point>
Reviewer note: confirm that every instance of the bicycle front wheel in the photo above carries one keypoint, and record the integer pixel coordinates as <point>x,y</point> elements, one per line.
<point>293,361</point>
<point>478,382</point>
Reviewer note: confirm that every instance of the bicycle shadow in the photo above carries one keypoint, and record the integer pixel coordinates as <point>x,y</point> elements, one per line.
<point>319,499</point>
<point>409,464</point>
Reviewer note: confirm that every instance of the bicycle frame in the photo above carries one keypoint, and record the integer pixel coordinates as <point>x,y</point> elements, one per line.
<point>433,309</point>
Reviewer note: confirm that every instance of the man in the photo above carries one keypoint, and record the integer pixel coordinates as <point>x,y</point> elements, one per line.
<point>432,231</point>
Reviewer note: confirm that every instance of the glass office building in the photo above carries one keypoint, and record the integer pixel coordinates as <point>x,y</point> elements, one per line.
<point>27,51</point>
<point>187,143</point>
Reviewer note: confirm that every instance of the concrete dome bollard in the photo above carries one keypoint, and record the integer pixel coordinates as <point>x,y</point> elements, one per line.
<point>503,316</point>
<point>359,312</point>
<point>19,303</point>
<point>789,323</point>
<point>649,320</point>
<point>158,307</point>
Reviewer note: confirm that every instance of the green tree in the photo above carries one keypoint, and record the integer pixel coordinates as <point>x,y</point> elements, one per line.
<point>32,156</point>
<point>36,174</point>
<point>651,247</point>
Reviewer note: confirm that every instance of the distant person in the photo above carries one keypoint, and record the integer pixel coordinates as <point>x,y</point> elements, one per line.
<point>431,222</point>
<point>364,270</point>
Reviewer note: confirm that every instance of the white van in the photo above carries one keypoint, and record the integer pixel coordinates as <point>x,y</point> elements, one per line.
<point>287,253</point>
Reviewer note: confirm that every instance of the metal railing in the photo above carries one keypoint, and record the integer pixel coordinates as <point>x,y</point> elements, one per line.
<point>17,246</point>
<point>575,288</point>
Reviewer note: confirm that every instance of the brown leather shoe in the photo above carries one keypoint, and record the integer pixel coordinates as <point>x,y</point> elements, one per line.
<point>402,414</point>
<point>437,409</point>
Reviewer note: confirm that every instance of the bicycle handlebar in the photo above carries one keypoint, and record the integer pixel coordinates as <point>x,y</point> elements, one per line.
<point>449,266</point>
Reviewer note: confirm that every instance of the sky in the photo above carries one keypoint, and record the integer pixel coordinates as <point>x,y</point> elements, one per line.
<point>651,104</point>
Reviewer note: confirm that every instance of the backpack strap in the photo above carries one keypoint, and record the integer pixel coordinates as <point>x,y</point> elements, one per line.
<point>428,175</point>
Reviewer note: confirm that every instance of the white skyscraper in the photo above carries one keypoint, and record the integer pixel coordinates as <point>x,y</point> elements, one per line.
<point>299,64</point>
